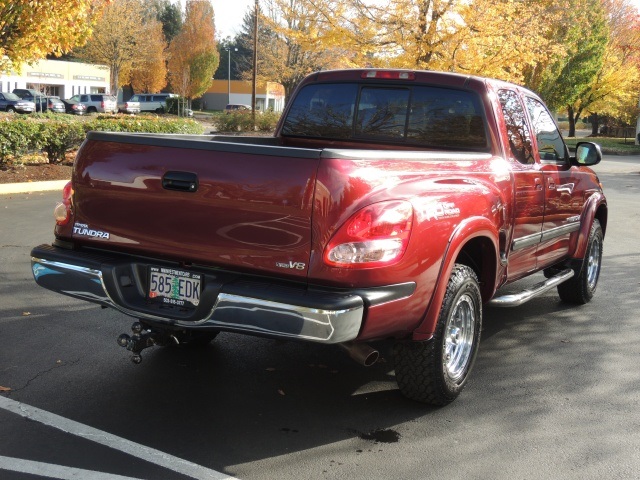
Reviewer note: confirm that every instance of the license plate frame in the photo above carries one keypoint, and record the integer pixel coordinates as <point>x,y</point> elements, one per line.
<point>170,286</point>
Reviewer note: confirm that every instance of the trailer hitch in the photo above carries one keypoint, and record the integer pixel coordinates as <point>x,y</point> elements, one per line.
<point>141,339</point>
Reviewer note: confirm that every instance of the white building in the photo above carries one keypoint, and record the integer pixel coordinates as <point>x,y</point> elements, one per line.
<point>58,78</point>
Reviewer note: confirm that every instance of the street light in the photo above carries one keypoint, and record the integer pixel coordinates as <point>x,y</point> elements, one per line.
<point>228,49</point>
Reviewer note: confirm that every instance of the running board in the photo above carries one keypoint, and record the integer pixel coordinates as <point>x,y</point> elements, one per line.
<point>538,289</point>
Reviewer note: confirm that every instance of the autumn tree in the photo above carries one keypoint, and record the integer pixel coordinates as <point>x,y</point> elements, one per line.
<point>29,31</point>
<point>294,39</point>
<point>149,70</point>
<point>115,40</point>
<point>614,90</point>
<point>193,58</point>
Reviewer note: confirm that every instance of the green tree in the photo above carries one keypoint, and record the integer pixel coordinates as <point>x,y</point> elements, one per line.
<point>571,74</point>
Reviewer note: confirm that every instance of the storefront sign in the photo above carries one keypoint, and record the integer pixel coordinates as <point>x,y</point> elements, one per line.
<point>88,77</point>
<point>45,75</point>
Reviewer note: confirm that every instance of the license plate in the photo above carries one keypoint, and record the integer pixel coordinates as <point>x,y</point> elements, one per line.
<point>174,287</point>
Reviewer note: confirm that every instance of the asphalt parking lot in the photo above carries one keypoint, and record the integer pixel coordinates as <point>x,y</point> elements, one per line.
<point>555,392</point>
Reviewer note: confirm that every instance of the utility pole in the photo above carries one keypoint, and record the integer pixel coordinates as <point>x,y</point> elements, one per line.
<point>255,65</point>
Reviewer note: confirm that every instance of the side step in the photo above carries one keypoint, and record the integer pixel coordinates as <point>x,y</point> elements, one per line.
<point>516,299</point>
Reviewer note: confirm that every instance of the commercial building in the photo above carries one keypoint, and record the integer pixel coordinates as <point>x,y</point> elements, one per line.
<point>59,78</point>
<point>269,95</point>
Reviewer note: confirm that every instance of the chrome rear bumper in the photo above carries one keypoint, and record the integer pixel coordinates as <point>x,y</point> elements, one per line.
<point>228,301</point>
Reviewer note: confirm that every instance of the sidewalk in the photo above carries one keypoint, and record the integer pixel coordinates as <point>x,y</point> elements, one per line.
<point>31,187</point>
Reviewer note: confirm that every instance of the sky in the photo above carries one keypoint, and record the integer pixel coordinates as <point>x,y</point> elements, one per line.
<point>229,15</point>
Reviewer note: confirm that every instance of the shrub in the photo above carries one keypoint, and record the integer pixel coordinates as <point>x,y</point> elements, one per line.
<point>56,134</point>
<point>17,137</point>
<point>237,121</point>
<point>56,137</point>
<point>267,121</point>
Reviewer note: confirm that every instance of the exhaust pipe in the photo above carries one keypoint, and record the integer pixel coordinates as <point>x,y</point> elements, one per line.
<point>361,353</point>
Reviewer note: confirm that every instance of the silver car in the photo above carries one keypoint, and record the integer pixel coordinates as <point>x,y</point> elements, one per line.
<point>97,102</point>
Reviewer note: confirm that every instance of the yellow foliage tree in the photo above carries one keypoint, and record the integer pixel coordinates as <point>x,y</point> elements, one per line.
<point>149,73</point>
<point>30,30</point>
<point>114,39</point>
<point>193,56</point>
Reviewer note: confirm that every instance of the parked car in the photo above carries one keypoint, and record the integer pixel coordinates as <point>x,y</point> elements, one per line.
<point>10,102</point>
<point>54,104</point>
<point>74,107</point>
<point>129,106</point>
<point>31,95</point>
<point>152,102</point>
<point>234,107</point>
<point>97,102</point>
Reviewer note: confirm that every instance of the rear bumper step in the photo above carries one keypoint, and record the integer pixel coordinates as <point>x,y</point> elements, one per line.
<point>229,301</point>
<point>513,300</point>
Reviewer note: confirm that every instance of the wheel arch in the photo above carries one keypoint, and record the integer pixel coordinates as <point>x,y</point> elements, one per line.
<point>474,243</point>
<point>595,209</point>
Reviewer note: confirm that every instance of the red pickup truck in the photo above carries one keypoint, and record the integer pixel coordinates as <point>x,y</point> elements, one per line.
<point>390,204</point>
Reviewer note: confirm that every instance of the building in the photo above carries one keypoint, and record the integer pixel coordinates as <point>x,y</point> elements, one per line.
<point>269,95</point>
<point>58,78</point>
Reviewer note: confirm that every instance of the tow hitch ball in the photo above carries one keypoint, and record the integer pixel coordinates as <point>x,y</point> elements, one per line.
<point>142,339</point>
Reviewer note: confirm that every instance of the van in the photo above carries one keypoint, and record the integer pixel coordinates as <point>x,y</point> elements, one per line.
<point>152,102</point>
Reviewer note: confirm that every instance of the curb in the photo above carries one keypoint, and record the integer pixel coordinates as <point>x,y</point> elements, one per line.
<point>31,187</point>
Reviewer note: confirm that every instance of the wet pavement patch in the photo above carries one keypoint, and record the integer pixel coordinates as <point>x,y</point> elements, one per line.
<point>381,436</point>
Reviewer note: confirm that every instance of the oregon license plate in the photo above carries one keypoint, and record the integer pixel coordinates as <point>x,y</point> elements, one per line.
<point>174,287</point>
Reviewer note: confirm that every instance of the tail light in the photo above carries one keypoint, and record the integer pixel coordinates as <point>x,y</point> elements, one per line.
<point>102,104</point>
<point>375,236</point>
<point>62,212</point>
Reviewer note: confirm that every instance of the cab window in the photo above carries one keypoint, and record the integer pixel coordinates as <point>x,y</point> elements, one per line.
<point>517,128</point>
<point>550,144</point>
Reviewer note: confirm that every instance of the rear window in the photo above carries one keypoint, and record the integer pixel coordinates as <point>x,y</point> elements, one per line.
<point>429,116</point>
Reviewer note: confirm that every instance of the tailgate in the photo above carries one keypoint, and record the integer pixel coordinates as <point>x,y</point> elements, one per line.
<point>239,206</point>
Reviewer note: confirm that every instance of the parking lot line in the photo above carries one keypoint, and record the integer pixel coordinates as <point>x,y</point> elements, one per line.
<point>86,432</point>
<point>55,471</point>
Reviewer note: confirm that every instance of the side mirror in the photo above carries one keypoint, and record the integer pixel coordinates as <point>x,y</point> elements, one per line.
<point>588,153</point>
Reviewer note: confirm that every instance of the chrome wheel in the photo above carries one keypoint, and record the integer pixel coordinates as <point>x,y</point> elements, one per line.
<point>459,338</point>
<point>593,263</point>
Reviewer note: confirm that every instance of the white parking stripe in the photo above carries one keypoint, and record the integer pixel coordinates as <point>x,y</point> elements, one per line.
<point>86,432</point>
<point>55,471</point>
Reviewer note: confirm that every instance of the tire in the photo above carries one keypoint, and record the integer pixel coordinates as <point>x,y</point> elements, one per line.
<point>92,110</point>
<point>582,286</point>
<point>436,371</point>
<point>160,110</point>
<point>11,110</point>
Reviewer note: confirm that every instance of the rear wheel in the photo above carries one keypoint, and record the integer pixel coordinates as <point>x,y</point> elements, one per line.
<point>160,110</point>
<point>92,110</point>
<point>437,370</point>
<point>581,288</point>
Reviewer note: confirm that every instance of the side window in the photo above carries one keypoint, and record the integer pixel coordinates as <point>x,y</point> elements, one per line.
<point>550,143</point>
<point>517,128</point>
